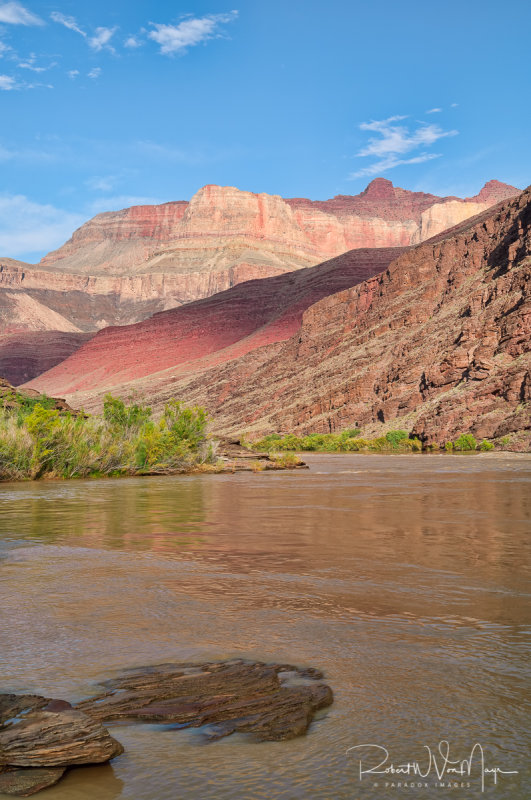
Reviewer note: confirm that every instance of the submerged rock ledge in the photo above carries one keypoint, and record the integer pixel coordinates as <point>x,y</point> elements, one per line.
<point>40,738</point>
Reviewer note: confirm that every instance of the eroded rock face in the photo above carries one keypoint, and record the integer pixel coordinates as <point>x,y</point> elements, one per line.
<point>26,354</point>
<point>17,782</point>
<point>442,216</point>
<point>40,738</point>
<point>223,227</point>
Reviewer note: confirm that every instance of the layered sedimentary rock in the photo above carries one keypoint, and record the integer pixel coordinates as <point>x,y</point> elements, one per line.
<point>270,702</point>
<point>438,343</point>
<point>214,330</point>
<point>40,738</point>
<point>50,733</point>
<point>223,228</point>
<point>121,267</point>
<point>26,354</point>
<point>442,216</point>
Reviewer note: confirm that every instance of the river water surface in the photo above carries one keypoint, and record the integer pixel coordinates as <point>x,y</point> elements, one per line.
<point>404,578</point>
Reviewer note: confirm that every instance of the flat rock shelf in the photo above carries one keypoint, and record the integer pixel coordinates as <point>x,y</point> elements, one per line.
<point>40,738</point>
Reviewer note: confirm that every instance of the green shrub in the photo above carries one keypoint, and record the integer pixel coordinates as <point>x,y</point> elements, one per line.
<point>485,446</point>
<point>395,437</point>
<point>37,441</point>
<point>449,446</point>
<point>465,442</point>
<point>116,413</point>
<point>285,459</point>
<point>350,433</point>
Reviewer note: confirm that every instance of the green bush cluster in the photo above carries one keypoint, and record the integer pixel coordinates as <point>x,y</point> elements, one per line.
<point>396,441</point>
<point>347,441</point>
<point>37,440</point>
<point>467,443</point>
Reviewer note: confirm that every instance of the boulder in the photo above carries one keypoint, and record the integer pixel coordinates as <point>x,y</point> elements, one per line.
<point>38,732</point>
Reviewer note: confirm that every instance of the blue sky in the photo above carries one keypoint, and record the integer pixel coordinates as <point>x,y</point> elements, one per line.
<point>108,104</point>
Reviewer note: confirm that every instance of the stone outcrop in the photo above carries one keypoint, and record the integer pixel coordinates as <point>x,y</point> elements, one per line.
<point>11,398</point>
<point>442,216</point>
<point>40,738</point>
<point>122,267</point>
<point>438,343</point>
<point>20,782</point>
<point>270,702</point>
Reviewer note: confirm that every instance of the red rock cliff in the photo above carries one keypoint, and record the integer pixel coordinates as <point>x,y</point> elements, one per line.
<point>438,344</point>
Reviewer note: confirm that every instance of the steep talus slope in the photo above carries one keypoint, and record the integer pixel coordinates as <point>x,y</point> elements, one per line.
<point>210,331</point>
<point>437,344</point>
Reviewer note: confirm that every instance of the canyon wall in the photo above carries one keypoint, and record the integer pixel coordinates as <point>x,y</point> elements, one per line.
<point>438,344</point>
<point>122,267</point>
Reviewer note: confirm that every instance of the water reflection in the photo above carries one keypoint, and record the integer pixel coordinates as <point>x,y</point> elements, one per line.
<point>405,578</point>
<point>88,783</point>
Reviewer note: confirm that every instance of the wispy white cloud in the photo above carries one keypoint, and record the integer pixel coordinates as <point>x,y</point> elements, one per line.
<point>434,111</point>
<point>27,227</point>
<point>27,65</point>
<point>101,39</point>
<point>94,73</point>
<point>390,162</point>
<point>7,83</point>
<point>24,154</point>
<point>394,142</point>
<point>30,64</point>
<point>5,49</point>
<point>68,22</point>
<point>73,73</point>
<point>133,42</point>
<point>15,14</point>
<point>190,32</point>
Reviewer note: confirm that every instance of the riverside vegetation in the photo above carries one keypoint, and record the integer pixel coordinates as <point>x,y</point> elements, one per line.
<point>349,441</point>
<point>38,440</point>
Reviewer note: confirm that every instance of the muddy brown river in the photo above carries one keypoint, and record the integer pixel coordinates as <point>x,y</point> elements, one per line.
<point>404,578</point>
